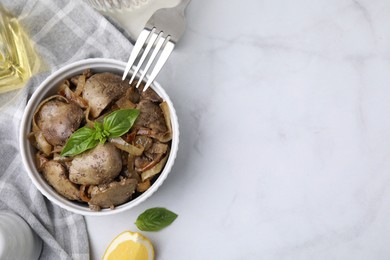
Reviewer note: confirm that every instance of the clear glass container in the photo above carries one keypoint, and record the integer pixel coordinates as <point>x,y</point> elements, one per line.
<point>130,15</point>
<point>18,59</point>
<point>17,239</point>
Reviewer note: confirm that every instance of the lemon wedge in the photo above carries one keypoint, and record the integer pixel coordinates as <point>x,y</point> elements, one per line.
<point>129,246</point>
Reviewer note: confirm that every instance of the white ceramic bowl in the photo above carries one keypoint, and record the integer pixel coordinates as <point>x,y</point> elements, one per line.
<point>50,87</point>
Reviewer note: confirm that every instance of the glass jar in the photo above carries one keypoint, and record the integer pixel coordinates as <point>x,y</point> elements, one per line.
<point>17,239</point>
<point>130,15</point>
<point>18,59</point>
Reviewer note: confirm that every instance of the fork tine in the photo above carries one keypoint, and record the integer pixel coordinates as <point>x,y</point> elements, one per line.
<point>160,41</point>
<point>136,50</point>
<point>167,50</point>
<point>144,55</point>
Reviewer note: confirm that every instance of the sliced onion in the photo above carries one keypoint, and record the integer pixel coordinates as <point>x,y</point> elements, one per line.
<point>122,145</point>
<point>42,144</point>
<point>155,170</point>
<point>130,164</point>
<point>162,137</point>
<point>40,160</point>
<point>69,94</point>
<point>80,85</point>
<point>131,173</point>
<point>150,165</point>
<point>90,123</point>
<point>167,116</point>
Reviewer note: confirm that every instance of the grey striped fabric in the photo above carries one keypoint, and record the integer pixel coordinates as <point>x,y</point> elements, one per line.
<point>64,32</point>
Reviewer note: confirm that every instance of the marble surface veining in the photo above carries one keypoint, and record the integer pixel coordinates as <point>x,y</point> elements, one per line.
<point>284,112</point>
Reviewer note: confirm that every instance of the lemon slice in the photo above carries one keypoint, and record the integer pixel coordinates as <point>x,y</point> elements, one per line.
<point>130,246</point>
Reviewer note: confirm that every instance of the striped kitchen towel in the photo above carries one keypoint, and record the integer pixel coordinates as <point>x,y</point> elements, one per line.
<point>63,32</point>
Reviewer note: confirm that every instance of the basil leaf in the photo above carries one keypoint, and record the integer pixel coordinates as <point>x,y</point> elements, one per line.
<point>155,219</point>
<point>119,122</point>
<point>100,133</point>
<point>98,126</point>
<point>80,141</point>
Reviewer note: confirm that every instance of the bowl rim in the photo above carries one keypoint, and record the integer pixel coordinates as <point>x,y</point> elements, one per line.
<point>43,91</point>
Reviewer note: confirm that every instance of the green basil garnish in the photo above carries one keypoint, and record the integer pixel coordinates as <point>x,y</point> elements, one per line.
<point>80,141</point>
<point>100,134</point>
<point>155,219</point>
<point>119,122</point>
<point>115,124</point>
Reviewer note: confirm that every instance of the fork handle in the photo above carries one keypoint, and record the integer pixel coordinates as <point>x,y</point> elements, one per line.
<point>183,5</point>
<point>175,26</point>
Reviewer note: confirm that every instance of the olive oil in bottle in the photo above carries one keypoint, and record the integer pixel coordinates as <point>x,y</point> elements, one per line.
<point>18,59</point>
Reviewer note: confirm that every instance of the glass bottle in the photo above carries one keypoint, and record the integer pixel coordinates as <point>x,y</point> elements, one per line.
<point>130,15</point>
<point>18,59</point>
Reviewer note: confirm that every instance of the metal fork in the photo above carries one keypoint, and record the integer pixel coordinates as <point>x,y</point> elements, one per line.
<point>161,33</point>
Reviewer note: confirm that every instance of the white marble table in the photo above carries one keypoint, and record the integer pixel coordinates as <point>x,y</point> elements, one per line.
<point>284,112</point>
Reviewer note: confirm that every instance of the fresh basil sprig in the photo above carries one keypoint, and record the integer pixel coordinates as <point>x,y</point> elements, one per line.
<point>155,219</point>
<point>114,125</point>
